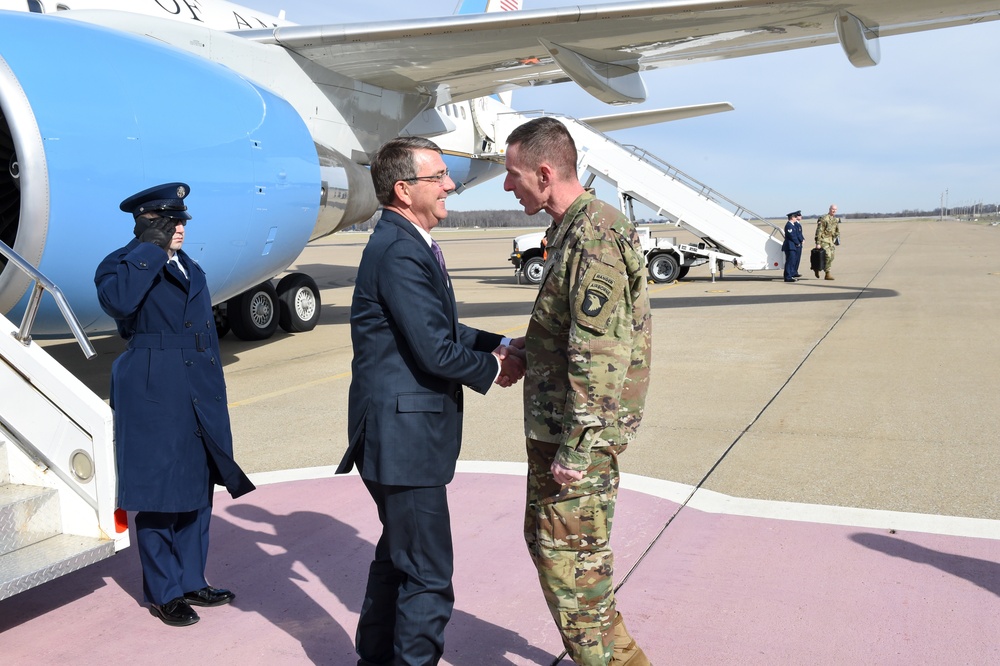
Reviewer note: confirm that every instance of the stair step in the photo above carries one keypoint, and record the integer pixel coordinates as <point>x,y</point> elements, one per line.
<point>28,514</point>
<point>41,562</point>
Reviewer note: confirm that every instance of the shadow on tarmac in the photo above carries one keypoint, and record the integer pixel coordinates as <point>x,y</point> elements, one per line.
<point>984,573</point>
<point>304,551</point>
<point>842,294</point>
<point>304,572</point>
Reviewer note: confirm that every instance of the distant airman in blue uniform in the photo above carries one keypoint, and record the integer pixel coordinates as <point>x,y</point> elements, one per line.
<point>792,246</point>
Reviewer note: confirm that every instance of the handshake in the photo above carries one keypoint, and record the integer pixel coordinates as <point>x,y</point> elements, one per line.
<point>512,362</point>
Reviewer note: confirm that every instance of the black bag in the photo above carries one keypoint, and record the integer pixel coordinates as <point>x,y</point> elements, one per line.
<point>817,259</point>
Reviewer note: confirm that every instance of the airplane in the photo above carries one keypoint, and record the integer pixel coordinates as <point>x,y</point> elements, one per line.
<point>273,123</point>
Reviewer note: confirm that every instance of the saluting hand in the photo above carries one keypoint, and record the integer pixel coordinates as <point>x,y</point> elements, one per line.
<point>159,231</point>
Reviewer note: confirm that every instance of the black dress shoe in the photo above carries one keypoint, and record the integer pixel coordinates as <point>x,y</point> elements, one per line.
<point>176,613</point>
<point>209,596</point>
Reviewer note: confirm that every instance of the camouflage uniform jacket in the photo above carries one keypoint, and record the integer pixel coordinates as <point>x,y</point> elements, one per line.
<point>827,229</point>
<point>589,339</point>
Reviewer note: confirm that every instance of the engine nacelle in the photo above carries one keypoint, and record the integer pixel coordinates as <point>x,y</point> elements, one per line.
<point>91,115</point>
<point>348,193</point>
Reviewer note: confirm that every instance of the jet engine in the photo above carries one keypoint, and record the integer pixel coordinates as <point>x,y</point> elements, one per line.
<point>89,115</point>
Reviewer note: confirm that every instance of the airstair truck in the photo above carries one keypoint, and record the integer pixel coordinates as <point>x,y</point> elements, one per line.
<point>727,232</point>
<point>666,261</point>
<point>57,466</point>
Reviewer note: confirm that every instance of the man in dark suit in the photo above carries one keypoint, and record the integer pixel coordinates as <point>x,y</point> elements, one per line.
<point>411,359</point>
<point>172,436</point>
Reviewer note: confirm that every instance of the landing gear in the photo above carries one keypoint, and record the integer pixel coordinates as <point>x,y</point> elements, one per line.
<point>221,320</point>
<point>256,313</point>
<point>298,303</point>
<point>253,315</point>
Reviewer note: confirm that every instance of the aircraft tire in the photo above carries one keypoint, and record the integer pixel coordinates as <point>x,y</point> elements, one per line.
<point>663,268</point>
<point>221,321</point>
<point>298,303</point>
<point>253,315</point>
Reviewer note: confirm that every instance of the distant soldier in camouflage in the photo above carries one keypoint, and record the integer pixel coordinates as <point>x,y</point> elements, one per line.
<point>588,354</point>
<point>828,237</point>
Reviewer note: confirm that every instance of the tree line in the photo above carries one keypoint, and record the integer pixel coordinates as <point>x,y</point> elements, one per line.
<point>975,210</point>
<point>513,219</point>
<point>477,219</point>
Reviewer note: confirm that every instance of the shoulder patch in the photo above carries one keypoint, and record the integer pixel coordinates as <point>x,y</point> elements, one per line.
<point>597,295</point>
<point>597,299</point>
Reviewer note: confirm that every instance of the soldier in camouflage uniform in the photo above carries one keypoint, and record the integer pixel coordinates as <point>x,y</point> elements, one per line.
<point>828,237</point>
<point>588,354</point>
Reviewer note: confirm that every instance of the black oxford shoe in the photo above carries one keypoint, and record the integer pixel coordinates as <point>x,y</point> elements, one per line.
<point>176,613</point>
<point>209,596</point>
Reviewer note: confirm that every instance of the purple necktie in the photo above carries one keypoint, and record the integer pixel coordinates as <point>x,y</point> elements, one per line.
<point>436,249</point>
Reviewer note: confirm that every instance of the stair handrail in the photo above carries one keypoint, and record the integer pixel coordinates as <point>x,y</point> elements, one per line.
<point>709,193</point>
<point>692,183</point>
<point>43,284</point>
<point>511,117</point>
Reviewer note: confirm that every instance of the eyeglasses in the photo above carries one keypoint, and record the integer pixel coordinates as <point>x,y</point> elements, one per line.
<point>436,178</point>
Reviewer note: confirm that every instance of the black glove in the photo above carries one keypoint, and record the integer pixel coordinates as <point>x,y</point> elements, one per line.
<point>141,224</point>
<point>159,231</point>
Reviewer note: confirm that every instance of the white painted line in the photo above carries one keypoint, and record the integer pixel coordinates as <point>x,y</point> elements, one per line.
<point>710,501</point>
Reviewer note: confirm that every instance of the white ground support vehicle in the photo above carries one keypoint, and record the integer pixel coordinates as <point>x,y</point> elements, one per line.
<point>724,231</point>
<point>666,260</point>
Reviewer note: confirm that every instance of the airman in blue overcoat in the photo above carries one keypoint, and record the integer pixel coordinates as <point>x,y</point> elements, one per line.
<point>792,246</point>
<point>173,440</point>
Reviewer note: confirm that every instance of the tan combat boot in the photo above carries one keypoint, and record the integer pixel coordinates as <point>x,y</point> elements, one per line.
<point>625,649</point>
<point>828,276</point>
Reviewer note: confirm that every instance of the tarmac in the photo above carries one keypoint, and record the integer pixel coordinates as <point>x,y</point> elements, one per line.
<point>815,480</point>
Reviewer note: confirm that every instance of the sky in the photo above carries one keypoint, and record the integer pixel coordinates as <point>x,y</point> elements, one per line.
<point>809,129</point>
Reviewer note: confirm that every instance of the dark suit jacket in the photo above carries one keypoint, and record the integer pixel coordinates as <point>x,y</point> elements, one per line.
<point>411,358</point>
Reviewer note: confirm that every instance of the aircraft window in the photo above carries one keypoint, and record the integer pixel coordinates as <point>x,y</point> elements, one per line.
<point>447,110</point>
<point>61,8</point>
<point>35,6</point>
<point>462,109</point>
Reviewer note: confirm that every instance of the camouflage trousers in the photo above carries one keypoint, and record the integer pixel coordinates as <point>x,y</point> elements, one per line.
<point>568,530</point>
<point>829,249</point>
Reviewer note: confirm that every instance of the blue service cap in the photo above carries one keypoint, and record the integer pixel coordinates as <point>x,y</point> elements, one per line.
<point>167,200</point>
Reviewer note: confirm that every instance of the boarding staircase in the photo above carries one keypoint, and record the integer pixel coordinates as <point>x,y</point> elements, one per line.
<point>57,469</point>
<point>728,232</point>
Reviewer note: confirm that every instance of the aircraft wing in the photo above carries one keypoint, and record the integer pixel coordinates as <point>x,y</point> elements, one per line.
<point>604,47</point>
